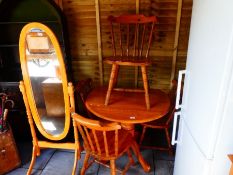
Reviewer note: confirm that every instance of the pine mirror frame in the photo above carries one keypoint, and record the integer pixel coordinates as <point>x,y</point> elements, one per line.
<point>27,82</point>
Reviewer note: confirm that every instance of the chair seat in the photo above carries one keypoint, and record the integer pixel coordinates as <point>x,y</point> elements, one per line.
<point>124,143</point>
<point>128,60</point>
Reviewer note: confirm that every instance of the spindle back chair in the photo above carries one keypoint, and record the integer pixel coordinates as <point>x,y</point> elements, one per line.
<point>103,141</point>
<point>162,123</point>
<point>131,38</point>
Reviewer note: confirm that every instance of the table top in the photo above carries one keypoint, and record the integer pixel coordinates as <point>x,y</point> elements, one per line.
<point>128,107</point>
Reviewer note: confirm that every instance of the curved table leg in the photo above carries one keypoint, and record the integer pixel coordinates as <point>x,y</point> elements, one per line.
<point>142,161</point>
<point>135,147</point>
<point>129,127</point>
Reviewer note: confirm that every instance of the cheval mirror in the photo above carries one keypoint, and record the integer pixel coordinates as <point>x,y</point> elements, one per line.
<point>47,95</point>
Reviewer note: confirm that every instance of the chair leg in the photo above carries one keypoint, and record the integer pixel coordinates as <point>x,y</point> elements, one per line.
<point>169,142</point>
<point>115,76</point>
<point>76,156</point>
<point>112,80</point>
<point>142,135</point>
<point>146,87</point>
<point>113,167</point>
<point>85,163</point>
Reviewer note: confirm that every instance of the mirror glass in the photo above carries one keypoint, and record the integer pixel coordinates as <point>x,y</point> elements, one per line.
<point>45,77</point>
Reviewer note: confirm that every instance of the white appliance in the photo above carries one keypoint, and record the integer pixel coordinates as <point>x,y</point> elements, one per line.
<point>203,128</point>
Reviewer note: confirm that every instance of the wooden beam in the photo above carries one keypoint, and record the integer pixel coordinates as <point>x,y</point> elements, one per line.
<point>99,38</point>
<point>176,40</point>
<point>137,6</point>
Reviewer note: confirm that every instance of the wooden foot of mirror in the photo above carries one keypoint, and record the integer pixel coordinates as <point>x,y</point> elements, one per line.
<point>47,95</point>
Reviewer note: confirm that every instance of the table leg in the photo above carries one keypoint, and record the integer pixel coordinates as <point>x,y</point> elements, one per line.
<point>135,147</point>
<point>129,127</point>
<point>141,160</point>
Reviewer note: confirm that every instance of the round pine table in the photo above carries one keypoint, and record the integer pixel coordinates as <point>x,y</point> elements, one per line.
<point>128,108</point>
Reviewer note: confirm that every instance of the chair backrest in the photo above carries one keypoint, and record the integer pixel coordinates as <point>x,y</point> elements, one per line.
<point>132,34</point>
<point>172,96</point>
<point>100,139</point>
<point>82,89</point>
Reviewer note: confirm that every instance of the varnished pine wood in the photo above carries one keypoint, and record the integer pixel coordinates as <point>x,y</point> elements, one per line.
<point>123,55</point>
<point>29,101</point>
<point>104,141</point>
<point>34,154</point>
<point>127,109</point>
<point>85,163</point>
<point>231,169</point>
<point>35,150</point>
<point>37,145</point>
<point>137,6</point>
<point>111,83</point>
<point>113,167</point>
<point>142,161</point>
<point>27,80</point>
<point>46,144</point>
<point>146,88</point>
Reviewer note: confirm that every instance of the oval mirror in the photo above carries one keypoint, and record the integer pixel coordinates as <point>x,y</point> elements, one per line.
<point>45,80</point>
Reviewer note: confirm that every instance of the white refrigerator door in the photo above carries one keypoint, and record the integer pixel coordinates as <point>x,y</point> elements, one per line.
<point>208,70</point>
<point>194,162</point>
<point>221,163</point>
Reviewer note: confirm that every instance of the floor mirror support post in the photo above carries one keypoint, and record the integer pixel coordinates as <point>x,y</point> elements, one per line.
<point>36,149</point>
<point>77,147</point>
<point>71,95</point>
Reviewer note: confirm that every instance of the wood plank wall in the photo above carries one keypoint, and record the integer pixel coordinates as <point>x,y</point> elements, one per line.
<point>166,11</point>
<point>81,18</point>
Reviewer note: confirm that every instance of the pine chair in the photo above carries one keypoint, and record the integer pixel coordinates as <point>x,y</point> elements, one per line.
<point>131,40</point>
<point>104,142</point>
<point>82,89</point>
<point>162,123</point>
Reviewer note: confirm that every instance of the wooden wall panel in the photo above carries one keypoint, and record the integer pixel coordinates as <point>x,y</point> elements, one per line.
<point>81,18</point>
<point>166,11</point>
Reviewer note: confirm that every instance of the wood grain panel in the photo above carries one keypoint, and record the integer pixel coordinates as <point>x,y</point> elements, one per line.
<point>81,19</point>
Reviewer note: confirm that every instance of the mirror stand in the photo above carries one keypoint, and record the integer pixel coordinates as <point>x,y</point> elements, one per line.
<point>48,97</point>
<point>37,144</point>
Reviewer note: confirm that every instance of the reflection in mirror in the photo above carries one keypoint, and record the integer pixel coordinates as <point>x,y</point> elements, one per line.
<point>45,76</point>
